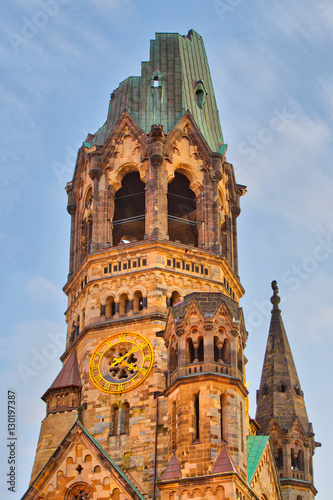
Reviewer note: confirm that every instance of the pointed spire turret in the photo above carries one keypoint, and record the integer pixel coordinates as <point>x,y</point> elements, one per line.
<point>280,396</point>
<point>281,411</point>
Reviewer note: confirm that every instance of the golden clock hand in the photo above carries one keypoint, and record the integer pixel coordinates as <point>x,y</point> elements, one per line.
<point>117,360</point>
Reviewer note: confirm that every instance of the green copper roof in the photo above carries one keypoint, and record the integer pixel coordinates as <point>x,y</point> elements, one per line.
<point>255,448</point>
<point>174,80</point>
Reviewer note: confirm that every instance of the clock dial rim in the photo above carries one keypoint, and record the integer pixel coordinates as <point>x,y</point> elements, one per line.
<point>101,352</point>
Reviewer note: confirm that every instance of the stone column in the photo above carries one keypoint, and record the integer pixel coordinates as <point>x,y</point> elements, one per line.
<point>215,243</point>
<point>95,163</point>
<point>71,209</point>
<point>156,187</point>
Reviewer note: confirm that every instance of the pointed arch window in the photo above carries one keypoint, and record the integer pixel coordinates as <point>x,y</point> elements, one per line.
<point>182,216</point>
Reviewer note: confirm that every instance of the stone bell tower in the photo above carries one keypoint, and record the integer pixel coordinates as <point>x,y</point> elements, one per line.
<point>151,401</point>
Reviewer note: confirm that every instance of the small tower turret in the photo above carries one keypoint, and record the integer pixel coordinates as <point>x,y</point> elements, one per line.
<point>281,412</point>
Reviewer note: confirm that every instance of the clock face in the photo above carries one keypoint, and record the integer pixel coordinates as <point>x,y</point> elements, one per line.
<point>121,363</point>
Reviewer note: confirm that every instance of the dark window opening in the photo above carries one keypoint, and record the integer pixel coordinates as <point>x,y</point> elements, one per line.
<point>175,298</point>
<point>124,304</point>
<point>129,213</point>
<point>124,419</point>
<point>300,460</point>
<point>182,219</point>
<point>221,417</point>
<point>196,418</point>
<point>114,420</point>
<point>293,459</point>
<point>279,458</point>
<point>137,301</point>
<point>156,81</point>
<point>174,426</point>
<point>240,360</point>
<point>194,351</point>
<point>173,359</point>
<point>86,234</point>
<point>282,388</point>
<point>110,307</point>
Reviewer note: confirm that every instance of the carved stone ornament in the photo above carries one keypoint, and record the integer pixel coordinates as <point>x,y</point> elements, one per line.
<point>216,176</point>
<point>208,327</point>
<point>180,331</point>
<point>79,491</point>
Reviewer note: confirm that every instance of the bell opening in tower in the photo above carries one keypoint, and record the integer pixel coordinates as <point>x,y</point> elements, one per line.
<point>182,219</point>
<point>129,213</point>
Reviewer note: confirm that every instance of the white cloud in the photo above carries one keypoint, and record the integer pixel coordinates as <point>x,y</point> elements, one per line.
<point>42,289</point>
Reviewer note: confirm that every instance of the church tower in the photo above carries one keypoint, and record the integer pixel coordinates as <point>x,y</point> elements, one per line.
<point>282,415</point>
<point>152,400</point>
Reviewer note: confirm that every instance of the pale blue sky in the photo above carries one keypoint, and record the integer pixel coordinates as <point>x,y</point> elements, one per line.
<point>272,73</point>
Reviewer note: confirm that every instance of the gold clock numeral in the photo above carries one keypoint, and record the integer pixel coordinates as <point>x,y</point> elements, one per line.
<point>122,337</point>
<point>94,367</point>
<point>143,370</point>
<point>98,378</point>
<point>107,386</point>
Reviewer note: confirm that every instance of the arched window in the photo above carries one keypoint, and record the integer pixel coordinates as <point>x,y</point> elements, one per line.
<point>124,304</point>
<point>240,360</point>
<point>189,350</point>
<point>293,456</point>
<point>300,460</point>
<point>114,417</point>
<point>129,211</point>
<point>175,298</point>
<point>173,355</point>
<point>124,419</point>
<point>194,350</point>
<point>222,412</point>
<point>278,455</point>
<point>137,301</point>
<point>86,235</point>
<point>196,422</point>
<point>182,218</point>
<point>110,307</point>
<point>115,494</point>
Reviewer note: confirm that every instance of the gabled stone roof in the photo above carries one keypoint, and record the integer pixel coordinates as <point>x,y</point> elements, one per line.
<point>207,303</point>
<point>73,435</point>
